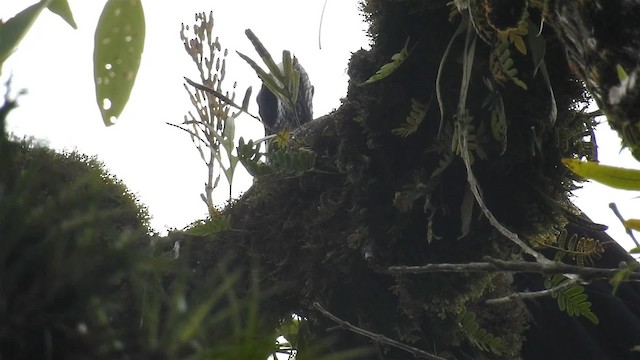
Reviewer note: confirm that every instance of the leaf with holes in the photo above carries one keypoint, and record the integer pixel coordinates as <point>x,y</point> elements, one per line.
<point>119,42</point>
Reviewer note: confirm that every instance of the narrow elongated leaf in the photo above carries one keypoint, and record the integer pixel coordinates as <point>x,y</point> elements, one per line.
<point>538,46</point>
<point>268,80</point>
<point>119,42</point>
<point>616,177</point>
<point>62,9</point>
<point>443,61</point>
<point>265,55</point>
<point>12,31</point>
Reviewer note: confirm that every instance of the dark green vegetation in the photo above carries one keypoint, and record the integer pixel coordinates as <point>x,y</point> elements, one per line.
<point>473,91</point>
<point>81,276</point>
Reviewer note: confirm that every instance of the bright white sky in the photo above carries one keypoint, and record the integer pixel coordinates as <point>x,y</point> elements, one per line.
<point>158,162</point>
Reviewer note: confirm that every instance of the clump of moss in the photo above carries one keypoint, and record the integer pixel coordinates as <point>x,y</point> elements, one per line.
<point>70,234</point>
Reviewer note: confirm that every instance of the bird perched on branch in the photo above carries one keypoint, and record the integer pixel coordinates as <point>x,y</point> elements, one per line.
<point>278,115</point>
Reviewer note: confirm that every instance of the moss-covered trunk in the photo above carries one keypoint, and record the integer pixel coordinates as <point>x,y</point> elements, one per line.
<point>378,197</point>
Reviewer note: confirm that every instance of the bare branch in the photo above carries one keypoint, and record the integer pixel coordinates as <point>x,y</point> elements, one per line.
<point>377,337</point>
<point>615,210</point>
<point>534,294</point>
<point>220,96</point>
<point>496,265</point>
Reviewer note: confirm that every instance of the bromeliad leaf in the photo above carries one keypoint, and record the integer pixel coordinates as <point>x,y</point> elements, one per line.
<point>389,68</point>
<point>119,42</point>
<point>282,82</point>
<point>616,177</point>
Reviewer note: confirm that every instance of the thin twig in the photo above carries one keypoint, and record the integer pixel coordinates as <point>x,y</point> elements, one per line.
<point>534,294</point>
<point>220,96</point>
<point>496,265</point>
<point>615,210</point>
<point>377,337</point>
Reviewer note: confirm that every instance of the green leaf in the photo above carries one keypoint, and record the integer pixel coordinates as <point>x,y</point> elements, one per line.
<point>635,250</point>
<point>622,75</point>
<point>265,55</point>
<point>538,46</point>
<point>590,316</point>
<point>443,60</point>
<point>62,9</point>
<point>623,273</point>
<point>119,42</point>
<point>389,68</point>
<point>12,31</point>
<point>416,115</point>
<point>633,224</point>
<point>616,177</point>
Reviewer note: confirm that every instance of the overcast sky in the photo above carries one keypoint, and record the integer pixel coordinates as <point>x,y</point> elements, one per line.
<point>158,162</point>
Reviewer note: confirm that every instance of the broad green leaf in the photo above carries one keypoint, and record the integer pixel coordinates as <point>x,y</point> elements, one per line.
<point>616,177</point>
<point>62,9</point>
<point>12,31</point>
<point>119,42</point>
<point>635,250</point>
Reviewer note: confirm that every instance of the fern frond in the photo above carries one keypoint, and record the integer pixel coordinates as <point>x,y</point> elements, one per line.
<point>413,121</point>
<point>573,300</point>
<point>502,65</point>
<point>292,162</point>
<point>499,124</point>
<point>465,129</point>
<point>389,68</point>
<point>514,36</point>
<point>580,249</point>
<point>479,336</point>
